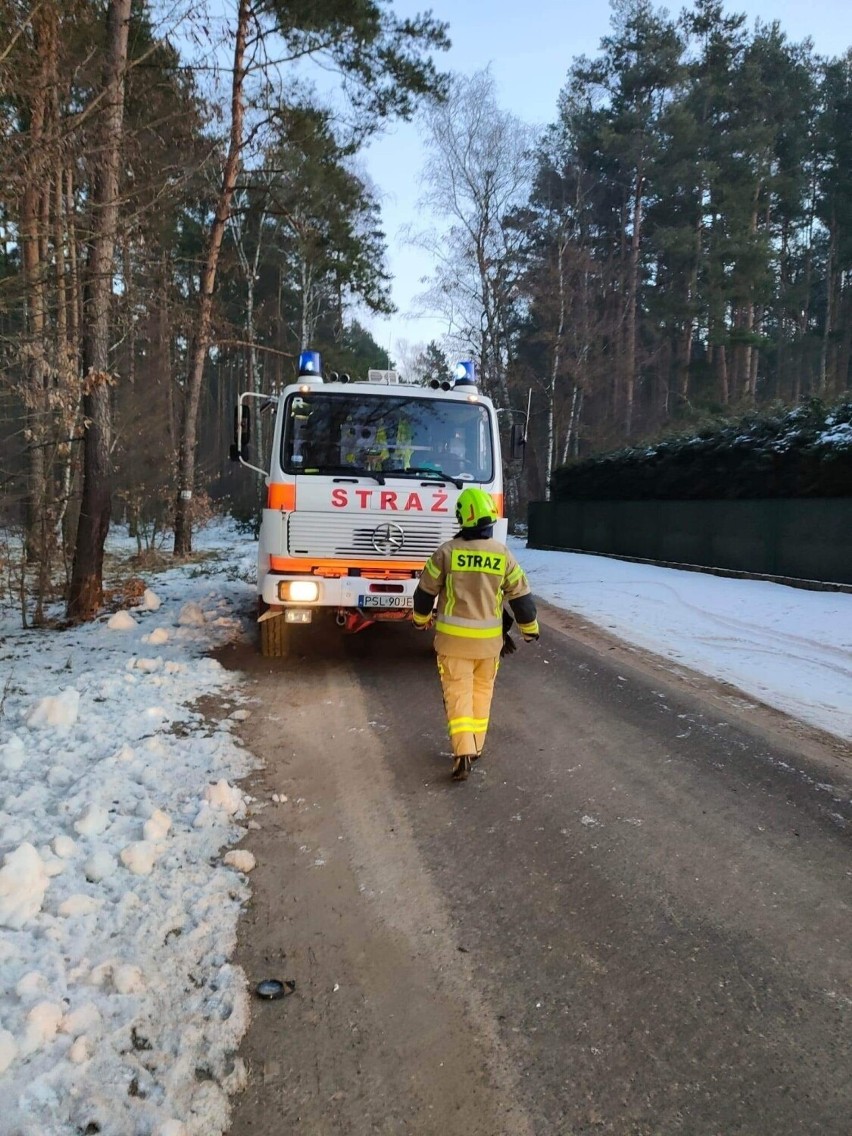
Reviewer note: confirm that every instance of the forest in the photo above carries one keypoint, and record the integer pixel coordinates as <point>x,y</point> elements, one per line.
<point>673,251</point>
<point>183,208</point>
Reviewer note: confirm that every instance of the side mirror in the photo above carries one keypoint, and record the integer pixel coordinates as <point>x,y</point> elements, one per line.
<point>517,442</point>
<point>242,432</point>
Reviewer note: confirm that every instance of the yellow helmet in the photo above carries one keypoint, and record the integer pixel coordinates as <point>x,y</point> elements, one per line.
<point>475,507</point>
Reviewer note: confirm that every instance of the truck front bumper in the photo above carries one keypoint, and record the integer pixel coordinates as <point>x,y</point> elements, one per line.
<point>371,596</point>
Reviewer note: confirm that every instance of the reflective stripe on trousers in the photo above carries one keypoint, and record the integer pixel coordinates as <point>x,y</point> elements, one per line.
<point>468,685</point>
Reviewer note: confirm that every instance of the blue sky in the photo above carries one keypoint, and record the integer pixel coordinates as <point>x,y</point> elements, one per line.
<point>529,47</point>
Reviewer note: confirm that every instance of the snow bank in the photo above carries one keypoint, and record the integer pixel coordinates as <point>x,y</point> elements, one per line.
<point>118,912</point>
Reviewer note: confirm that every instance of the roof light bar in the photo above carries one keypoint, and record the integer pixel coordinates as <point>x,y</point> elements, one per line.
<point>310,366</point>
<point>465,374</point>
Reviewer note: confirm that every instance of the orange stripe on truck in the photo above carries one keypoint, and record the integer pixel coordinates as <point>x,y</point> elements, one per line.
<point>376,568</point>
<point>281,496</point>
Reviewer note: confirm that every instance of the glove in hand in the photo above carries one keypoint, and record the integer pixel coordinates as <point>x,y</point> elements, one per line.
<point>509,645</point>
<point>423,626</point>
<point>530,638</point>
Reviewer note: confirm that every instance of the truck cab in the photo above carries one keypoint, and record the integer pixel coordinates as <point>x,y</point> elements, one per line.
<point>361,488</point>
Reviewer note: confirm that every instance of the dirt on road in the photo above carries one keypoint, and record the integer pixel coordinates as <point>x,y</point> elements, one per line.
<point>385,1031</point>
<point>633,919</point>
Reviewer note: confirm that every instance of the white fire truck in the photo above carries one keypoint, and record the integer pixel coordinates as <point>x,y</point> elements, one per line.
<point>361,487</point>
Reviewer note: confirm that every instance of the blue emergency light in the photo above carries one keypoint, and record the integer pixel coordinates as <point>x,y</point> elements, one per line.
<point>465,374</point>
<point>310,363</point>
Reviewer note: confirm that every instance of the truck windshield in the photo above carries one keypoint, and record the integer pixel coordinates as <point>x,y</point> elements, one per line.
<point>331,432</point>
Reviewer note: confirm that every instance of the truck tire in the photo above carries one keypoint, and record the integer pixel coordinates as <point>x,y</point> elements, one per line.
<point>275,638</point>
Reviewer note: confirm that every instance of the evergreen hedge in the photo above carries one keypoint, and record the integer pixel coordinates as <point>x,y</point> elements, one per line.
<point>806,452</point>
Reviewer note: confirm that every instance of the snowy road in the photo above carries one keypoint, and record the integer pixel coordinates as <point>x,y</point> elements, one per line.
<point>627,800</point>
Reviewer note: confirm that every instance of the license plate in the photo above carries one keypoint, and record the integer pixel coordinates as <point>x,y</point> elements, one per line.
<point>385,601</point>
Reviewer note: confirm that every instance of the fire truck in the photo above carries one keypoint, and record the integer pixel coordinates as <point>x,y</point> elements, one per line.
<point>361,485</point>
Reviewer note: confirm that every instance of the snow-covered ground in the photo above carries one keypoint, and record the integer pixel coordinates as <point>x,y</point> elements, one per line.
<point>788,647</point>
<point>120,1010</point>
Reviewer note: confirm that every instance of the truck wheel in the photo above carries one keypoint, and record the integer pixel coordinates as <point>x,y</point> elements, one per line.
<point>275,638</point>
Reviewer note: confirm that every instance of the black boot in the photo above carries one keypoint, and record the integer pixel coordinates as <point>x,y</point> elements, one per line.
<point>461,767</point>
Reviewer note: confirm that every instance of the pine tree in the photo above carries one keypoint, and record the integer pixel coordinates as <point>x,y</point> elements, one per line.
<point>620,98</point>
<point>834,210</point>
<point>385,69</point>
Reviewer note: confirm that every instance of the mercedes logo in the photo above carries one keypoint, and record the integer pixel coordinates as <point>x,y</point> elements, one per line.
<point>388,539</point>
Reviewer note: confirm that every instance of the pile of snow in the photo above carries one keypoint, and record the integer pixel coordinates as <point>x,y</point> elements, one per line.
<point>54,710</point>
<point>119,1009</point>
<point>23,882</point>
<point>122,621</point>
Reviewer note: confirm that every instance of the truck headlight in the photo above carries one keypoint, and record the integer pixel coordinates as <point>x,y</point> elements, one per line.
<point>298,591</point>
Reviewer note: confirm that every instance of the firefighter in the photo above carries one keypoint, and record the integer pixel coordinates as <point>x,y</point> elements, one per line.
<point>379,452</point>
<point>404,441</point>
<point>471,575</point>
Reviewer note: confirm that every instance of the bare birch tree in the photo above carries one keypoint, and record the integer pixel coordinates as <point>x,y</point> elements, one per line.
<point>478,172</point>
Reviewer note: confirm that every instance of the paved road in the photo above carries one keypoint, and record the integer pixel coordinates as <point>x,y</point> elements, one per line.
<point>633,919</point>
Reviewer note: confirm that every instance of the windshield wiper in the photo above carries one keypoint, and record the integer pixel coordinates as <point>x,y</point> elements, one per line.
<point>425,471</point>
<point>345,471</point>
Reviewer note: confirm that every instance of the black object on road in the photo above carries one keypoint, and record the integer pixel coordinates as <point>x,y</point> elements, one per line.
<point>270,989</point>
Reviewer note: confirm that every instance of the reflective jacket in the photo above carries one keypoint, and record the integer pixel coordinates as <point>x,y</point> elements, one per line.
<point>471,579</point>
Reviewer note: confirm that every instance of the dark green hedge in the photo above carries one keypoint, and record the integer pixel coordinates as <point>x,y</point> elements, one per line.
<point>806,452</point>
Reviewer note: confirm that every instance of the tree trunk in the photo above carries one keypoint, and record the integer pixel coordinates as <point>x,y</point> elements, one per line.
<point>556,363</point>
<point>305,328</point>
<point>684,358</point>
<point>163,354</point>
<point>829,307</point>
<point>844,350</point>
<point>66,354</point>
<point>571,447</point>
<point>73,353</point>
<point>86,591</point>
<point>35,361</point>
<point>74,295</point>
<point>201,338</point>
<point>59,265</point>
<point>749,353</point>
<point>632,307</point>
<point>804,321</point>
<point>736,357</point>
<point>781,341</point>
<point>255,383</point>
<point>754,364</point>
<point>129,303</point>
<point>65,372</point>
<point>722,369</point>
<point>250,272</point>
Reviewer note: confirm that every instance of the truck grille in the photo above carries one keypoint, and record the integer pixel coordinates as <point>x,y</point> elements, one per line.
<point>349,535</point>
